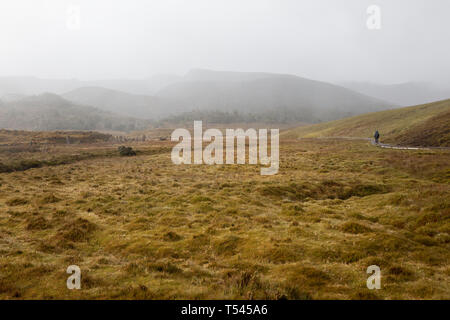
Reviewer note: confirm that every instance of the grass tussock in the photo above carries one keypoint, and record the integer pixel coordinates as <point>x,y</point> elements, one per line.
<point>16,201</point>
<point>354,228</point>
<point>49,198</point>
<point>38,223</point>
<point>325,190</point>
<point>78,230</point>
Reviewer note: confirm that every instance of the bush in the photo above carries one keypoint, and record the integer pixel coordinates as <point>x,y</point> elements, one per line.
<point>126,151</point>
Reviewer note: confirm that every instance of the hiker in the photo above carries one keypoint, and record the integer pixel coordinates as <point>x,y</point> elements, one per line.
<point>376,136</point>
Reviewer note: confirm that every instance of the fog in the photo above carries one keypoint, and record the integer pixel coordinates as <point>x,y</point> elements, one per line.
<point>326,40</point>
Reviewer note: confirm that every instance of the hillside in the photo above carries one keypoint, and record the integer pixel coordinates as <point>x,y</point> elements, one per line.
<point>423,125</point>
<point>51,112</point>
<point>268,96</point>
<point>132,105</point>
<point>243,97</point>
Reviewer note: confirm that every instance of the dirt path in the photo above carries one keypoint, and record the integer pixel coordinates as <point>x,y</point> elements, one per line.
<point>384,145</point>
<point>389,146</point>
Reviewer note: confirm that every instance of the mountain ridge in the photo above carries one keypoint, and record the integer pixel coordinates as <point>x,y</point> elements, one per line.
<point>207,90</point>
<point>265,96</point>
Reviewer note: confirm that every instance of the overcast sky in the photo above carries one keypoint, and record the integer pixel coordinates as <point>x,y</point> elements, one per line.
<point>320,39</point>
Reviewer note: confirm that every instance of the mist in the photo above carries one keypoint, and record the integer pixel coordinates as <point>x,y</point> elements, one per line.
<point>221,150</point>
<point>324,39</point>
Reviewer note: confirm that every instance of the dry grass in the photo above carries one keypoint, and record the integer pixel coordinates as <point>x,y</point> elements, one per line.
<point>143,228</point>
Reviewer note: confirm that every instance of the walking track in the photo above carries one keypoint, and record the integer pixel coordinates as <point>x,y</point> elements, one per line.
<point>384,145</point>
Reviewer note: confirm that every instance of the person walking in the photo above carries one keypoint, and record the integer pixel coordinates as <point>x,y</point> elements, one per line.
<point>376,136</point>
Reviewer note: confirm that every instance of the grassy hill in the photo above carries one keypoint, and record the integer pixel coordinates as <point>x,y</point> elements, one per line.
<point>423,125</point>
<point>49,112</point>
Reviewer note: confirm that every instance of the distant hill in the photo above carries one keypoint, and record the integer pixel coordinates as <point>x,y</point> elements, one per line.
<point>132,105</point>
<point>51,112</point>
<point>422,125</point>
<point>285,97</point>
<point>243,97</point>
<point>248,96</point>
<point>34,85</point>
<point>147,86</point>
<point>403,94</point>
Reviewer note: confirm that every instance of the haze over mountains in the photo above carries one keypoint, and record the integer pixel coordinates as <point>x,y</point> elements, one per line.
<point>119,102</point>
<point>34,85</point>
<point>248,96</point>
<point>216,96</point>
<point>48,112</point>
<point>288,96</point>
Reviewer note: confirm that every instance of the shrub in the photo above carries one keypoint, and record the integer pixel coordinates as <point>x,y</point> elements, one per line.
<point>166,267</point>
<point>126,151</point>
<point>172,236</point>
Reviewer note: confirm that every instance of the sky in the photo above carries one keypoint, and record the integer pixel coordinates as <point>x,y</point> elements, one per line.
<point>328,40</point>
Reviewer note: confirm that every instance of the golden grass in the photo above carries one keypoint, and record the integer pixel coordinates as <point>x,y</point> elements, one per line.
<point>143,228</point>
